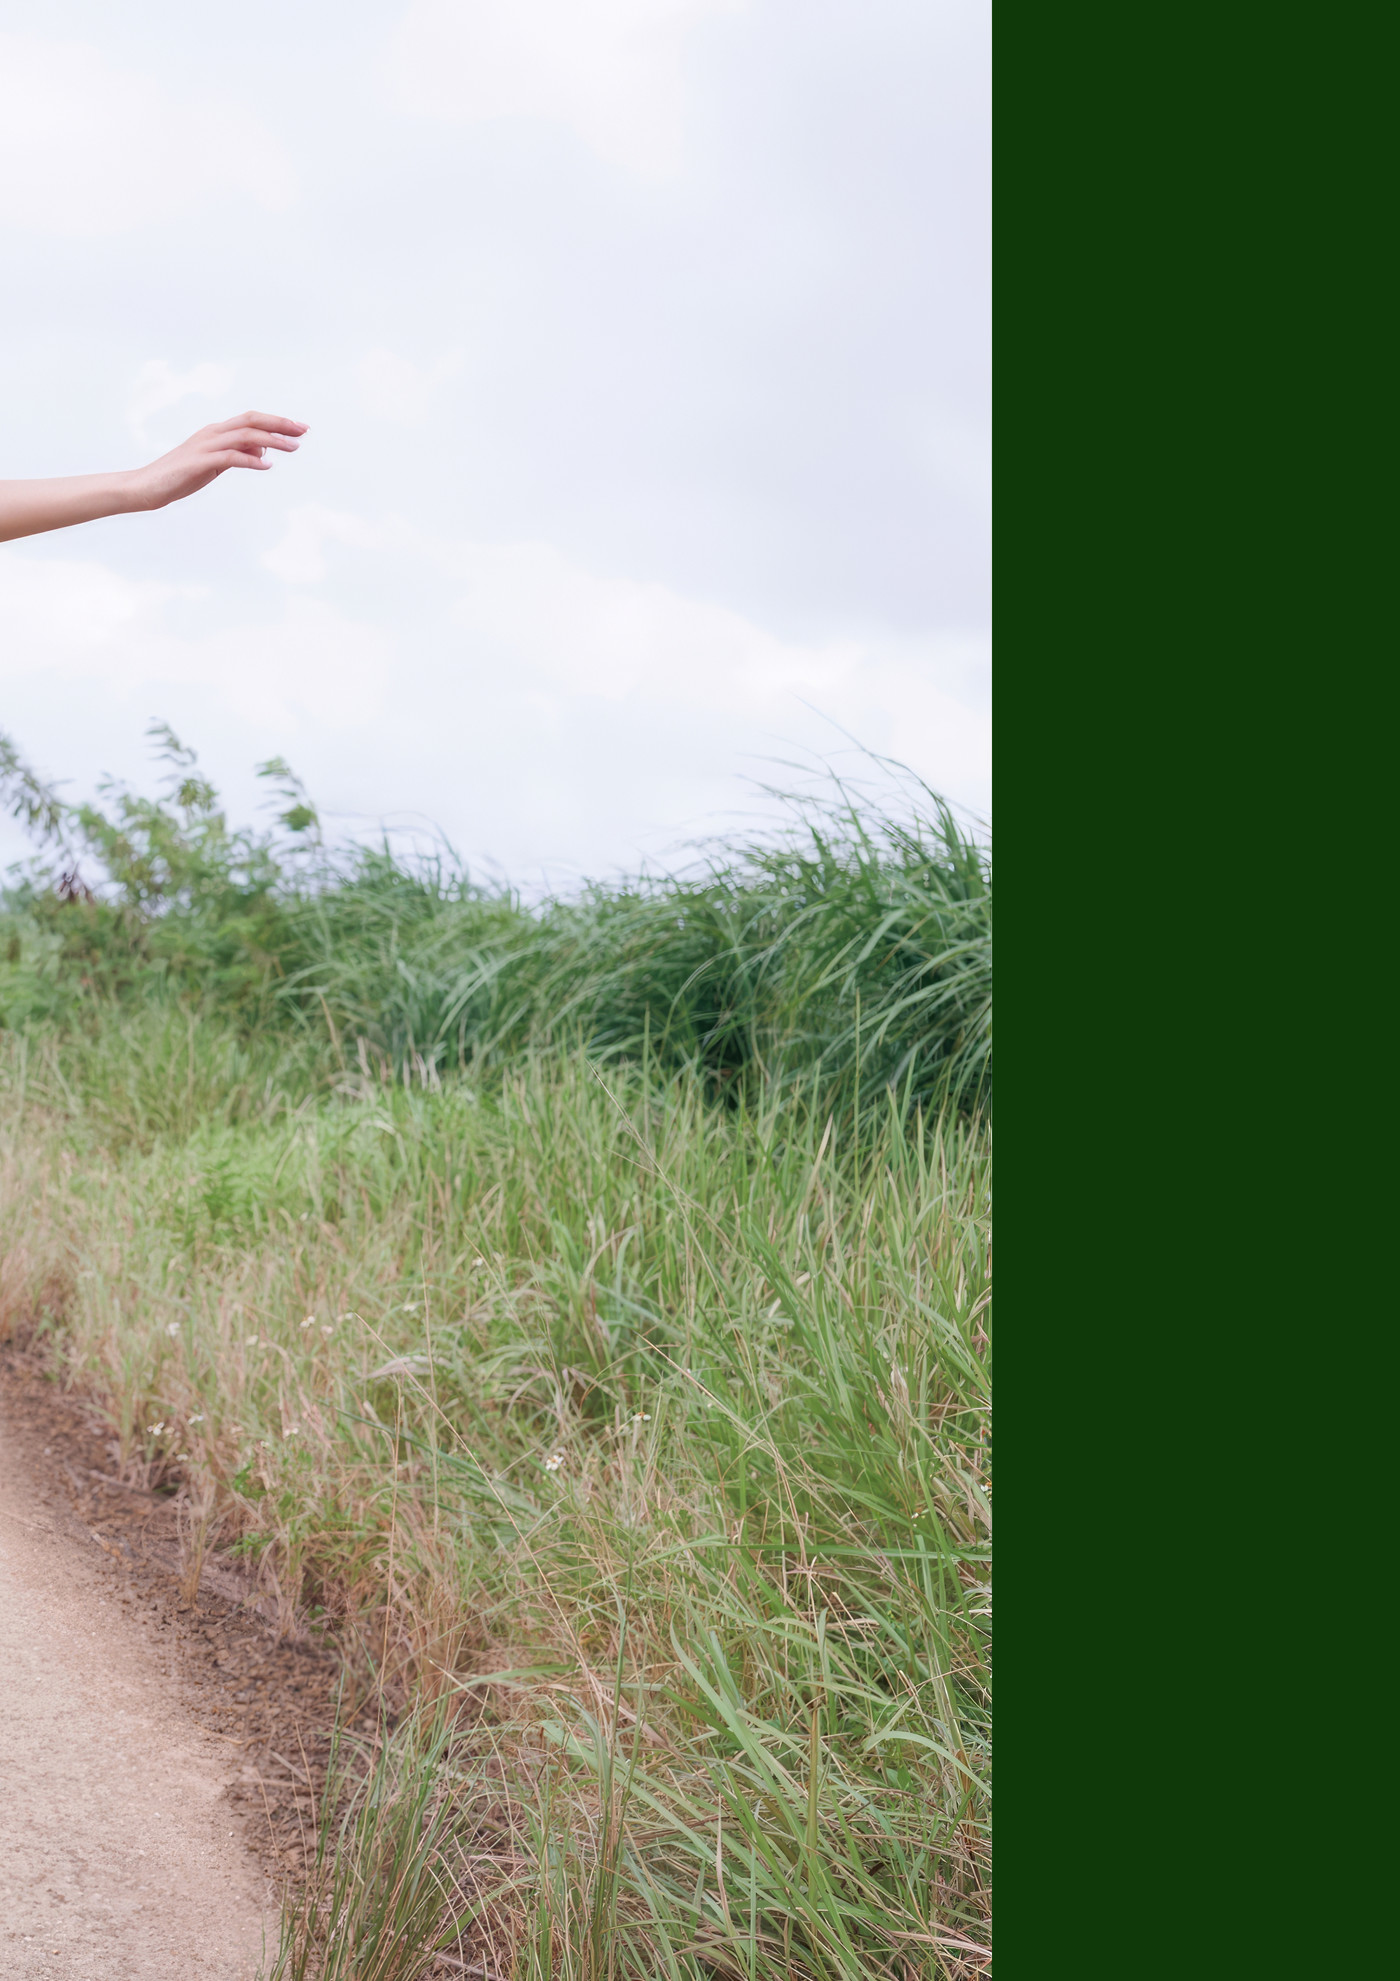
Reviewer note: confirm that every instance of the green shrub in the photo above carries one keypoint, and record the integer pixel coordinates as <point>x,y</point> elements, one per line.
<point>843,956</point>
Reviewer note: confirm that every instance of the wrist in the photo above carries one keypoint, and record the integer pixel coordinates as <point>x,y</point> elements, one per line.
<point>128,491</point>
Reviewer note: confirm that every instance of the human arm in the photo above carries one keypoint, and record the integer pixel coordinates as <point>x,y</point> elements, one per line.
<point>28,508</point>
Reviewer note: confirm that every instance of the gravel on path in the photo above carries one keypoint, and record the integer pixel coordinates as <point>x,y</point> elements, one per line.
<point>120,1855</point>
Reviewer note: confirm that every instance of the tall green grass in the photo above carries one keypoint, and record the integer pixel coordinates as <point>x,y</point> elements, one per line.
<point>579,1312</point>
<point>844,955</point>
<point>720,1668</point>
<point>850,949</point>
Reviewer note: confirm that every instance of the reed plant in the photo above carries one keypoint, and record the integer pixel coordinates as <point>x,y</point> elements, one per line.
<point>851,950</point>
<point>842,954</point>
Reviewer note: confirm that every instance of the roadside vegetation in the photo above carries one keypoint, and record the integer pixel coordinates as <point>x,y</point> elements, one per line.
<point>579,1311</point>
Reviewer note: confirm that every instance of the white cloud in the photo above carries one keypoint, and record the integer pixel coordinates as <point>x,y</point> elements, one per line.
<point>158,386</point>
<point>611,70</point>
<point>618,638</point>
<point>79,622</point>
<point>87,148</point>
<point>70,610</point>
<point>311,667</point>
<point>548,644</point>
<point>299,557</point>
<point>394,388</point>
<point>536,710</point>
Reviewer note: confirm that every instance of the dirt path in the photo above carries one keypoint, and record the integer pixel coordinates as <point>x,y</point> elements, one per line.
<point>120,1856</point>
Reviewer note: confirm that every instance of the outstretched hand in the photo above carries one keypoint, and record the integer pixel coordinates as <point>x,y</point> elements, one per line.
<point>241,442</point>
<point>28,508</point>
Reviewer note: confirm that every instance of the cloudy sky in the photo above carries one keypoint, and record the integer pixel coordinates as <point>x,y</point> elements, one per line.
<point>645,350</point>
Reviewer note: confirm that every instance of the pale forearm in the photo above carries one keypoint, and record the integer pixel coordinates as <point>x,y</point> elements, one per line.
<point>27,508</point>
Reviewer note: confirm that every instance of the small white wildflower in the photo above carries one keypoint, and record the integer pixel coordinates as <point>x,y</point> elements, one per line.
<point>310,1321</point>
<point>154,1430</point>
<point>410,1306</point>
<point>555,1460</point>
<point>326,1328</point>
<point>199,1419</point>
<point>172,1327</point>
<point>251,1342</point>
<point>180,1457</point>
<point>641,1416</point>
<point>292,1432</point>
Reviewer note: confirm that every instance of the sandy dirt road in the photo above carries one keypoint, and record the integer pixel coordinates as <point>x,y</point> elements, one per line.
<point>118,1858</point>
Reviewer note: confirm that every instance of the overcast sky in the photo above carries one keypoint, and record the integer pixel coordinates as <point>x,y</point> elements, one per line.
<point>645,348</point>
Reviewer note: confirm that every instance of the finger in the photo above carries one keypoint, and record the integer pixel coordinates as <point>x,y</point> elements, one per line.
<point>230,458</point>
<point>265,422</point>
<point>252,436</point>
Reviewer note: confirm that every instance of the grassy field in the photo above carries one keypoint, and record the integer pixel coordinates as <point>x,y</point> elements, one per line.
<point>580,1311</point>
